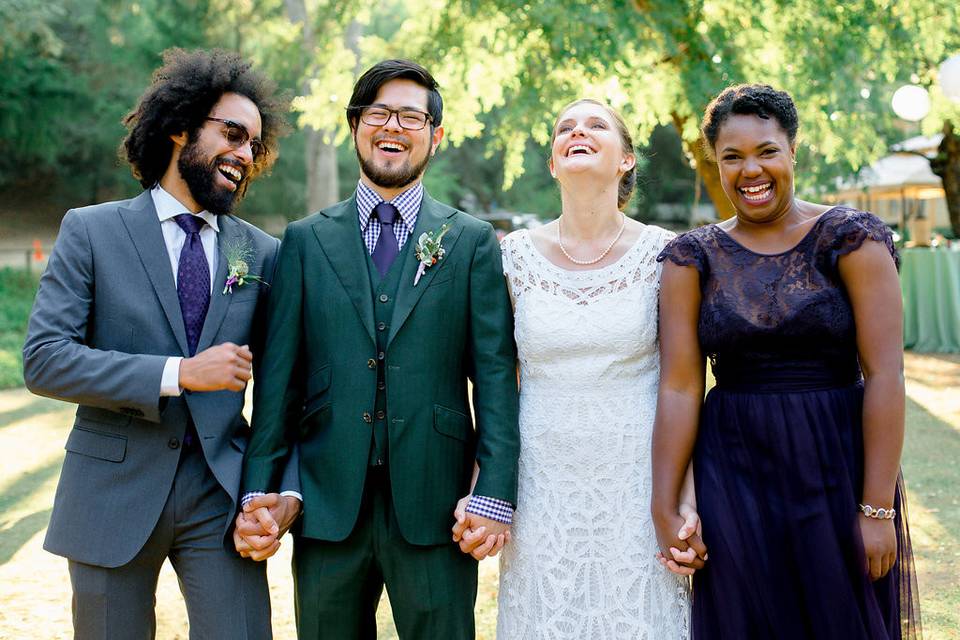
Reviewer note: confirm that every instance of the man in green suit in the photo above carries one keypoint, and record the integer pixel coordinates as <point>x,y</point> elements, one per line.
<point>382,308</point>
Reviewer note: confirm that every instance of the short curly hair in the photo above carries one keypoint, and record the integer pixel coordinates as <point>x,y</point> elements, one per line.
<point>180,98</point>
<point>759,100</point>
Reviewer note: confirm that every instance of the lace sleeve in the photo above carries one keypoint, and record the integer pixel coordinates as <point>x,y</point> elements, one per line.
<point>847,233</point>
<point>685,251</point>
<point>506,254</point>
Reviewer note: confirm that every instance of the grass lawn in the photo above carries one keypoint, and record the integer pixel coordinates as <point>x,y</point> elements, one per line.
<point>17,289</point>
<point>35,590</point>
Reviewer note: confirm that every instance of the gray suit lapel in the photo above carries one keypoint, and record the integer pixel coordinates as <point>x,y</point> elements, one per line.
<point>230,234</point>
<point>143,226</point>
<point>339,236</point>
<point>430,219</point>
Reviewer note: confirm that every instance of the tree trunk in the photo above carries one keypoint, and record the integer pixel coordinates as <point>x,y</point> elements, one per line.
<point>706,170</point>
<point>320,158</point>
<point>946,164</point>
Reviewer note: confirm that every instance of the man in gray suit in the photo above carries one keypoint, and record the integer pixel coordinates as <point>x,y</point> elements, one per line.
<point>149,318</point>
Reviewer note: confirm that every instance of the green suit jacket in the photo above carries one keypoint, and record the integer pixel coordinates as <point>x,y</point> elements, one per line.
<point>318,375</point>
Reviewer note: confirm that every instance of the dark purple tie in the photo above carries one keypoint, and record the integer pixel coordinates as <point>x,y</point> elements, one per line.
<point>386,248</point>
<point>193,279</point>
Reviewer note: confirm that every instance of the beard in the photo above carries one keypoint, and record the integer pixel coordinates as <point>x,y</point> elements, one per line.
<point>201,177</point>
<point>394,178</point>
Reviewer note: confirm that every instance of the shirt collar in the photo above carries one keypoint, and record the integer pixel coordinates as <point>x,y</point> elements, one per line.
<point>407,203</point>
<point>167,207</point>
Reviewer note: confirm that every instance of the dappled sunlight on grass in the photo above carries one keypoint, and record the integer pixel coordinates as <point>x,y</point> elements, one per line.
<point>35,589</point>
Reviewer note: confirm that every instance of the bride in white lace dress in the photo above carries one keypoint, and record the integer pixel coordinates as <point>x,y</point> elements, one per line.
<point>581,563</point>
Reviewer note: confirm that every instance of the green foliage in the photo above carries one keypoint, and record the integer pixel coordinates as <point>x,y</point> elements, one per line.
<point>17,290</point>
<point>660,62</point>
<point>72,68</point>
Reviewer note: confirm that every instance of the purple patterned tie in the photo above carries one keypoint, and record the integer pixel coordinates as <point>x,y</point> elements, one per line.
<point>386,248</point>
<point>193,279</point>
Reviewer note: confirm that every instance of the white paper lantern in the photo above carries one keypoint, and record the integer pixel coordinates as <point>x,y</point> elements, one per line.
<point>911,102</point>
<point>950,77</point>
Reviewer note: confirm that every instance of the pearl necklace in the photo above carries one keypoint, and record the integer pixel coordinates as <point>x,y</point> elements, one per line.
<point>623,224</point>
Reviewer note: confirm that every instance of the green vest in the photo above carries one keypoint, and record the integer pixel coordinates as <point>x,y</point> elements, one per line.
<point>384,296</point>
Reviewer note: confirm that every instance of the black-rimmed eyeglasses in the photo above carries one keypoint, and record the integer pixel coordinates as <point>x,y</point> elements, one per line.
<point>377,116</point>
<point>237,135</point>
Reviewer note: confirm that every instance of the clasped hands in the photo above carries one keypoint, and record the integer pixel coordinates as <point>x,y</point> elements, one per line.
<point>480,537</point>
<point>262,522</point>
<point>683,552</point>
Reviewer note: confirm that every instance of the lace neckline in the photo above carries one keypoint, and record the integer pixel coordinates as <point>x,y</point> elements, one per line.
<point>809,234</point>
<point>583,273</point>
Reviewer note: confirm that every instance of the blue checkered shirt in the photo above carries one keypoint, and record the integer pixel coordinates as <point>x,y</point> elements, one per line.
<point>408,204</point>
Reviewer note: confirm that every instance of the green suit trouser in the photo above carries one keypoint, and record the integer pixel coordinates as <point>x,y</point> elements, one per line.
<point>432,589</point>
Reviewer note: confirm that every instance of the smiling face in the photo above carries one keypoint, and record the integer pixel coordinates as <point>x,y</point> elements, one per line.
<point>215,171</point>
<point>586,140</point>
<point>755,158</point>
<point>391,157</point>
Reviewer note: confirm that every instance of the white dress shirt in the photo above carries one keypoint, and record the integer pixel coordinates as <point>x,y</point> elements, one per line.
<point>174,238</point>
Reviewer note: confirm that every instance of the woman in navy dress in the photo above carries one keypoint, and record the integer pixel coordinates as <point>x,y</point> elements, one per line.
<point>796,451</point>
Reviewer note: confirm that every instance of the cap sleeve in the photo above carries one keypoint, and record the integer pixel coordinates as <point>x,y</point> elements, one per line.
<point>685,251</point>
<point>847,232</point>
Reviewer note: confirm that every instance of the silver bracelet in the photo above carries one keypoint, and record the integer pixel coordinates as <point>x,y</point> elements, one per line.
<point>879,514</point>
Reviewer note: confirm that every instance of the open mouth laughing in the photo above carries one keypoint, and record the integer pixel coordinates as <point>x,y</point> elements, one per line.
<point>579,149</point>
<point>391,147</point>
<point>233,175</point>
<point>757,193</point>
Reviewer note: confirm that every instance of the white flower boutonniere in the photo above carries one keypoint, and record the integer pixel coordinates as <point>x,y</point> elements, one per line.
<point>429,250</point>
<point>239,255</point>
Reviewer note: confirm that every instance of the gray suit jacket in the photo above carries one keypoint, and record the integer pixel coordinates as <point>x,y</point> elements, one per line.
<point>105,319</point>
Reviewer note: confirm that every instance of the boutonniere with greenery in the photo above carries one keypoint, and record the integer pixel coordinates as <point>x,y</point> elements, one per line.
<point>429,250</point>
<point>239,256</point>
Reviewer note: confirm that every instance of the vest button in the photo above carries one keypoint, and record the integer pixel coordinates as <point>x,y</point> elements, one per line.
<point>371,363</point>
<point>381,326</point>
<point>173,443</point>
<point>384,297</point>
<point>381,415</point>
<point>380,355</point>
<point>381,386</point>
<point>367,417</point>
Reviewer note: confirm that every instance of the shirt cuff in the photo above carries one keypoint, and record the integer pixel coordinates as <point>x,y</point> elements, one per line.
<point>247,497</point>
<point>170,380</point>
<point>493,508</point>
<point>292,494</point>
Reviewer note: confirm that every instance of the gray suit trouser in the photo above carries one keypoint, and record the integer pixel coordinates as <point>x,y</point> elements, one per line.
<point>226,595</point>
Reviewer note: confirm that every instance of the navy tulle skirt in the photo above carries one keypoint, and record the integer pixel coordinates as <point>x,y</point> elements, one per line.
<point>778,470</point>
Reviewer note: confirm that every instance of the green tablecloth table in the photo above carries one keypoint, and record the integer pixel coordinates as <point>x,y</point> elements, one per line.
<point>930,279</point>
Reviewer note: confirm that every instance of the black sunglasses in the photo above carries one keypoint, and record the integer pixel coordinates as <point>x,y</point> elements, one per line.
<point>237,136</point>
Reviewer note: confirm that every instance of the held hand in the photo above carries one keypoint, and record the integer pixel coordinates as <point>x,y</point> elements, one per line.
<point>879,545</point>
<point>681,552</point>
<point>680,562</point>
<point>480,537</point>
<point>224,366</point>
<point>263,522</point>
<point>251,541</point>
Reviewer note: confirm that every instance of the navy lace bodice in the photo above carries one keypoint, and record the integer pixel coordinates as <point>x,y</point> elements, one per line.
<point>765,314</point>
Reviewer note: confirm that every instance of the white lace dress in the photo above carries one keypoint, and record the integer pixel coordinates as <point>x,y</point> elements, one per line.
<point>581,565</point>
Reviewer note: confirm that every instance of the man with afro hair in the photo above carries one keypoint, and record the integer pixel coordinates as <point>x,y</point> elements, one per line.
<point>148,317</point>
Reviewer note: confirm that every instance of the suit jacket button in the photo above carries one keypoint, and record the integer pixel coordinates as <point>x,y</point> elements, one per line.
<point>371,363</point>
<point>173,443</point>
<point>367,417</point>
<point>384,297</point>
